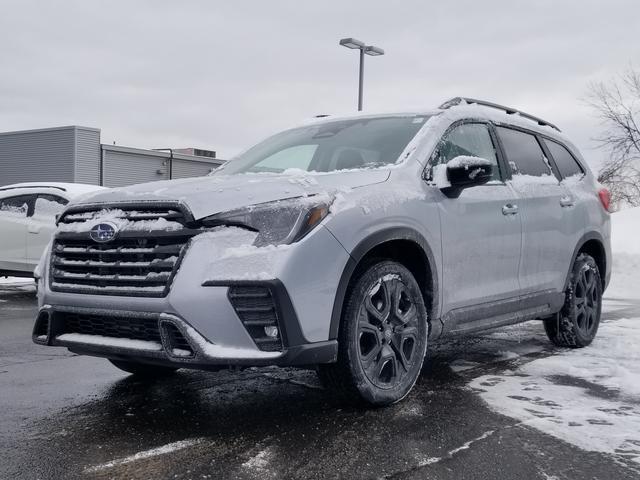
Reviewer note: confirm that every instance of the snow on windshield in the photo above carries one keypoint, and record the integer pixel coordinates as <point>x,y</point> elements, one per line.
<point>330,146</point>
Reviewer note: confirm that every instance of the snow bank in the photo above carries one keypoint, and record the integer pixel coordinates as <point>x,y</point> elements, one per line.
<point>625,244</point>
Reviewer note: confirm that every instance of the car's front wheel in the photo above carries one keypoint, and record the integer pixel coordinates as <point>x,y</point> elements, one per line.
<point>382,338</point>
<point>143,370</point>
<point>576,325</point>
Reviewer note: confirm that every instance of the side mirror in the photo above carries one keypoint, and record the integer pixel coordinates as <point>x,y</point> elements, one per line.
<point>464,172</point>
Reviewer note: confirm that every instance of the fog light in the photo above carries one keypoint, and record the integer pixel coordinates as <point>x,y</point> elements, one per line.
<point>271,331</point>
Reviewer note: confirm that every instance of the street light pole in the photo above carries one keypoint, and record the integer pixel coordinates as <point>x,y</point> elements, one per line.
<point>361,79</point>
<point>364,50</point>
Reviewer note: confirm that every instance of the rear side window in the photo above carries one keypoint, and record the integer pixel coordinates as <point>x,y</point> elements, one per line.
<point>524,153</point>
<point>17,206</point>
<point>469,139</point>
<point>567,165</point>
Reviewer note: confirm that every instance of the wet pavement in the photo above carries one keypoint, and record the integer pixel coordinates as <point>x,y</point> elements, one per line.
<point>64,416</point>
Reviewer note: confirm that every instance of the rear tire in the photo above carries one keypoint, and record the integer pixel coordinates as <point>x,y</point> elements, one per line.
<point>143,370</point>
<point>576,325</point>
<point>382,338</point>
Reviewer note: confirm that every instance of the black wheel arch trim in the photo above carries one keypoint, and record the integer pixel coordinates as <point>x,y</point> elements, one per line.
<point>593,235</point>
<point>360,251</point>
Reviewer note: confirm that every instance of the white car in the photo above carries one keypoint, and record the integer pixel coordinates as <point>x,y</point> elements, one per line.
<point>28,219</point>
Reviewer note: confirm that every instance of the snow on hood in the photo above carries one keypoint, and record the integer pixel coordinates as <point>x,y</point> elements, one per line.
<point>213,194</point>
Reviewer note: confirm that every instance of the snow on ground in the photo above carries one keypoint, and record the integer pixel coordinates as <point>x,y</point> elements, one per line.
<point>588,397</point>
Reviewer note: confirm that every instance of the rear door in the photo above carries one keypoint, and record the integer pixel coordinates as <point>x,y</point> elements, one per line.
<point>550,228</point>
<point>42,224</point>
<point>481,231</point>
<point>14,212</point>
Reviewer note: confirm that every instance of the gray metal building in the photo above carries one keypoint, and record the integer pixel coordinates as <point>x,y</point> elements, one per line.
<point>75,154</point>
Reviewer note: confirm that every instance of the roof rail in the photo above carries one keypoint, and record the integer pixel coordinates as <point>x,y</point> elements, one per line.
<point>508,110</point>
<point>3,189</point>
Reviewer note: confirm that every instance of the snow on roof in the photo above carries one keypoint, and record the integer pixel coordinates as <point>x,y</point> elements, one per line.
<point>455,112</point>
<point>71,189</point>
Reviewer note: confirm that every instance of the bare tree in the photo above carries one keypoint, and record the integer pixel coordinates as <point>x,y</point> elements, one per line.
<point>617,103</point>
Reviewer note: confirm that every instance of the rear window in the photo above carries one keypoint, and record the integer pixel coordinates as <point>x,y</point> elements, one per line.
<point>567,165</point>
<point>524,154</point>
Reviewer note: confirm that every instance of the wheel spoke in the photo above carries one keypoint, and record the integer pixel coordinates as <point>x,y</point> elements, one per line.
<point>378,304</point>
<point>386,366</point>
<point>398,343</point>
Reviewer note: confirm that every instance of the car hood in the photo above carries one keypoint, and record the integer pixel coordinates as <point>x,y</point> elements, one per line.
<point>213,194</point>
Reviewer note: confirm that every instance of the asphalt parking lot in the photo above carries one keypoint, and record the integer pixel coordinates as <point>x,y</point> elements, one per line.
<point>65,416</point>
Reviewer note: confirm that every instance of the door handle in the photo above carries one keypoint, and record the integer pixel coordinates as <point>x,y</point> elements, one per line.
<point>567,201</point>
<point>33,229</point>
<point>509,209</point>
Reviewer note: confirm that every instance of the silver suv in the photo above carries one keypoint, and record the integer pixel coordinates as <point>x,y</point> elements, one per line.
<point>345,245</point>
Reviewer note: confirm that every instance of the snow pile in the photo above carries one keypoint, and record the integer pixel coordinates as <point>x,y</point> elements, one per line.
<point>625,244</point>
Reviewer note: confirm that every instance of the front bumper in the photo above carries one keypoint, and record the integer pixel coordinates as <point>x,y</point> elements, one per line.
<point>50,330</point>
<point>199,307</point>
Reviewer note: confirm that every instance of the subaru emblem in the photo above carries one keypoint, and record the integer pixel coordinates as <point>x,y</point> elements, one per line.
<point>103,232</point>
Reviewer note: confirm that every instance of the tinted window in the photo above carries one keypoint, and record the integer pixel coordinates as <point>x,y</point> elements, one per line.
<point>15,206</point>
<point>49,205</point>
<point>523,152</point>
<point>323,147</point>
<point>564,160</point>
<point>470,139</point>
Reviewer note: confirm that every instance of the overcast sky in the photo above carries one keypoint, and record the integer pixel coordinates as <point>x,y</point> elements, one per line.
<point>223,75</point>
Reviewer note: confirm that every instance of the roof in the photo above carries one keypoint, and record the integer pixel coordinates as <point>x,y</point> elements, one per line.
<point>459,105</point>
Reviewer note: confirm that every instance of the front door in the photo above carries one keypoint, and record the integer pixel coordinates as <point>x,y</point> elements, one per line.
<point>481,231</point>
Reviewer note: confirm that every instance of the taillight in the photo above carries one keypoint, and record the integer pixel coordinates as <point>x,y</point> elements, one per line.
<point>605,198</point>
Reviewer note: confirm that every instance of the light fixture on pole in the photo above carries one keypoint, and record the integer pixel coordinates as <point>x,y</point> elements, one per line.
<point>364,50</point>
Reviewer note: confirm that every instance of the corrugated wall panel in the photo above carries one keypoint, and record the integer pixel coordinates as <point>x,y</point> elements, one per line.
<point>87,162</point>
<point>191,168</point>
<point>45,155</point>
<point>124,168</point>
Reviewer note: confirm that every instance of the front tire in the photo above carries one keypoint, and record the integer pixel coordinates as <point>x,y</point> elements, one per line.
<point>143,370</point>
<point>576,325</point>
<point>382,338</point>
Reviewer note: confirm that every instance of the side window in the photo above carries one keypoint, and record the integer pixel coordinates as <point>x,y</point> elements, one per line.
<point>567,165</point>
<point>49,205</point>
<point>524,153</point>
<point>299,156</point>
<point>17,206</point>
<point>470,139</point>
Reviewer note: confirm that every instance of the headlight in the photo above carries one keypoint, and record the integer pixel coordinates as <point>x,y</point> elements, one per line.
<point>280,222</point>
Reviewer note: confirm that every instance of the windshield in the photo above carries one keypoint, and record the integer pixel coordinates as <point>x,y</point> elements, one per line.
<point>325,147</point>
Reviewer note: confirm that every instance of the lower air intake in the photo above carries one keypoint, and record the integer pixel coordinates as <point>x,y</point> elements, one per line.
<point>256,308</point>
<point>177,345</point>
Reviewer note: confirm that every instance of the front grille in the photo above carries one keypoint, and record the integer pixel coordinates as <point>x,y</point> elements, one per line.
<point>257,312</point>
<point>140,261</point>
<point>135,328</point>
